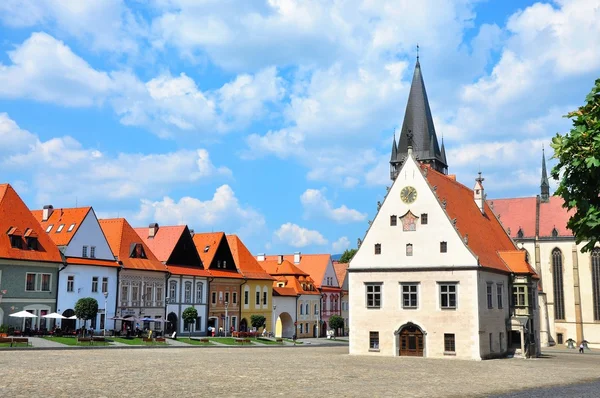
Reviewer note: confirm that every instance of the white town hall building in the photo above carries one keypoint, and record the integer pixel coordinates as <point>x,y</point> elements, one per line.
<point>437,275</point>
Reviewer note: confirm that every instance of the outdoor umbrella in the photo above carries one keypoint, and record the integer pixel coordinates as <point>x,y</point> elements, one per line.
<point>116,318</point>
<point>54,315</point>
<point>72,317</point>
<point>23,314</point>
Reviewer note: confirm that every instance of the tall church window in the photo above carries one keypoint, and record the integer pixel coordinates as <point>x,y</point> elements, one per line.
<point>596,282</point>
<point>557,271</point>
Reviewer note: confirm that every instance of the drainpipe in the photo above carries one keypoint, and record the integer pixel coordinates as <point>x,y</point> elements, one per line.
<point>117,292</point>
<point>167,276</point>
<point>208,298</point>
<point>64,265</point>
<point>240,298</point>
<point>295,319</point>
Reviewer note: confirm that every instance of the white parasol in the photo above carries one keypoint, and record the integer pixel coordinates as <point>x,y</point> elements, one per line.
<point>54,315</point>
<point>23,314</point>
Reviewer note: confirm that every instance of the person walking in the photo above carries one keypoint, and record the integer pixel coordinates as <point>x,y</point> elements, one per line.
<point>581,348</point>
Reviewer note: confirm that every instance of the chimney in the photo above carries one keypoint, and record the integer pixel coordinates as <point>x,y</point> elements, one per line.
<point>47,212</point>
<point>152,230</point>
<point>280,259</point>
<point>478,193</point>
<point>296,257</point>
<point>260,257</point>
<point>192,232</point>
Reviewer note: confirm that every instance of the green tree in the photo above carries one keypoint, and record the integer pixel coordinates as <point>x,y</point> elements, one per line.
<point>336,322</point>
<point>190,314</point>
<point>86,308</point>
<point>347,256</point>
<point>258,321</point>
<point>578,154</point>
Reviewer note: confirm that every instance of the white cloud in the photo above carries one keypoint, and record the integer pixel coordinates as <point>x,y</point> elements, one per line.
<point>315,204</point>
<point>296,236</point>
<point>221,213</point>
<point>12,137</point>
<point>340,245</point>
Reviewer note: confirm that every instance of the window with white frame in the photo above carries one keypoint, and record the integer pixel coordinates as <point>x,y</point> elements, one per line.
<point>104,285</point>
<point>93,251</point>
<point>410,295</point>
<point>214,298</point>
<point>159,292</point>
<point>148,295</point>
<point>373,292</point>
<point>173,291</point>
<point>265,297</point>
<point>227,297</point>
<point>449,343</point>
<point>301,309</point>
<point>234,297</point>
<point>94,284</point>
<point>490,296</point>
<point>246,297</point>
<point>135,292</point>
<point>409,249</point>
<point>37,282</point>
<point>199,291</point>
<point>257,302</point>
<point>306,310</point>
<point>500,294</point>
<point>448,296</point>
<point>124,292</point>
<point>84,252</point>
<point>188,292</point>
<point>70,283</point>
<point>316,309</point>
<point>373,340</point>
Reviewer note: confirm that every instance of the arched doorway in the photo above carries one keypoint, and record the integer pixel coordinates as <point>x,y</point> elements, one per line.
<point>284,326</point>
<point>411,340</point>
<point>172,325</point>
<point>323,331</point>
<point>244,325</point>
<point>68,325</point>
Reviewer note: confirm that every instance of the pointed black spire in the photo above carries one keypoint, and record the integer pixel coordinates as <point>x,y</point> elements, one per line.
<point>394,166</point>
<point>394,149</point>
<point>443,151</point>
<point>545,185</point>
<point>419,121</point>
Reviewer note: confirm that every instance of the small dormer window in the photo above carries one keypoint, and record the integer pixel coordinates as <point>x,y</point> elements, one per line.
<point>554,232</point>
<point>49,228</point>
<point>60,228</point>
<point>16,241</point>
<point>32,243</point>
<point>206,248</point>
<point>520,233</point>
<point>137,251</point>
<point>280,284</point>
<point>71,227</point>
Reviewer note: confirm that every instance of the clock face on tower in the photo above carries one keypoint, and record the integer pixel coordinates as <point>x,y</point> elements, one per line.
<point>408,194</point>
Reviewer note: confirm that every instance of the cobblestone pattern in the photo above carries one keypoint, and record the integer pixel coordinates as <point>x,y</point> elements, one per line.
<point>272,371</point>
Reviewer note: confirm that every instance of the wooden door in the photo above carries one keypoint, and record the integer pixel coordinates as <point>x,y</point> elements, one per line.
<point>411,342</point>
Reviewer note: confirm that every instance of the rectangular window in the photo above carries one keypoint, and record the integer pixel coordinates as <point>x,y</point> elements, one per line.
<point>84,251</point>
<point>443,247</point>
<point>316,309</point>
<point>188,292</point>
<point>30,282</point>
<point>234,322</point>
<point>393,221</point>
<point>199,292</point>
<point>234,296</point>
<point>220,295</point>
<point>135,292</point>
<point>377,248</point>
<point>490,296</point>
<point>45,283</point>
<point>214,298</point>
<point>159,294</point>
<point>32,243</point>
<point>264,298</point>
<point>173,291</point>
<point>60,228</point>
<point>491,343</point>
<point>16,241</point>
<point>559,338</point>
<point>410,295</point>
<point>125,292</point>
<point>519,294</point>
<point>70,283</point>
<point>246,297</point>
<point>105,285</point>
<point>226,297</point>
<point>148,295</point>
<point>93,252</point>
<point>373,340</point>
<point>71,227</point>
<point>424,219</point>
<point>448,295</point>
<point>94,284</point>
<point>49,228</point>
<point>449,343</point>
<point>257,302</point>
<point>373,295</point>
<point>501,341</point>
<point>499,294</point>
<point>198,323</point>
<point>409,249</point>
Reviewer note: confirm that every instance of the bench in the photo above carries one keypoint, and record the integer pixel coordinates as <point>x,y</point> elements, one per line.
<point>279,340</point>
<point>84,340</point>
<point>20,340</point>
<point>243,341</point>
<point>147,340</point>
<point>204,340</point>
<point>160,340</point>
<point>99,339</point>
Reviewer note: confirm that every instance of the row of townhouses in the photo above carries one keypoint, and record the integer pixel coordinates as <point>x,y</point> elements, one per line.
<point>51,258</point>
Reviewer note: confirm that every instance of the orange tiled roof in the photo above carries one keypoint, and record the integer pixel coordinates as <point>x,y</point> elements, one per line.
<point>210,240</point>
<point>92,261</point>
<point>220,273</point>
<point>341,270</point>
<point>120,236</point>
<point>163,244</point>
<point>516,261</point>
<point>285,268</point>
<point>188,271</point>
<point>485,235</point>
<point>244,261</point>
<point>15,214</point>
<point>284,291</point>
<point>313,264</point>
<point>64,217</point>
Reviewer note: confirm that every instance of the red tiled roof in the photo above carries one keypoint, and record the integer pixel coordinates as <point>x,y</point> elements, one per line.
<point>244,261</point>
<point>225,274</point>
<point>120,236</point>
<point>313,264</point>
<point>163,244</point>
<point>92,261</point>
<point>284,291</point>
<point>64,217</point>
<point>188,271</point>
<point>516,261</point>
<point>486,237</point>
<point>15,214</point>
<point>515,213</point>
<point>210,240</point>
<point>285,268</point>
<point>341,270</point>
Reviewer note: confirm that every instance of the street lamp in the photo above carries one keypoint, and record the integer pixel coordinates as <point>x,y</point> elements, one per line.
<point>226,307</point>
<point>105,313</point>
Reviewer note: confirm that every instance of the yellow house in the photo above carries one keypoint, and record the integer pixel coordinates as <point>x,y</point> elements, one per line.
<point>257,291</point>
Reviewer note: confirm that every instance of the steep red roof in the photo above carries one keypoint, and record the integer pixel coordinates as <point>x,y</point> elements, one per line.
<point>244,261</point>
<point>516,261</point>
<point>515,213</point>
<point>121,236</point>
<point>65,217</point>
<point>483,232</point>
<point>285,268</point>
<point>207,244</point>
<point>313,264</point>
<point>92,261</point>
<point>164,242</point>
<point>284,291</point>
<point>187,271</point>
<point>15,215</point>
<point>341,270</point>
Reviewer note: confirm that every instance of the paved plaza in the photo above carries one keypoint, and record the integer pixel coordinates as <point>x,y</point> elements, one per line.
<point>274,371</point>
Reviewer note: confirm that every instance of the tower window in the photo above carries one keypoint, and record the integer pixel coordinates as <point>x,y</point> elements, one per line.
<point>409,249</point>
<point>443,247</point>
<point>424,219</point>
<point>393,221</point>
<point>377,248</point>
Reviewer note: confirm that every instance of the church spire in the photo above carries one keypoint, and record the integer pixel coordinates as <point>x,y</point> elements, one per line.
<point>545,185</point>
<point>418,120</point>
<point>394,168</point>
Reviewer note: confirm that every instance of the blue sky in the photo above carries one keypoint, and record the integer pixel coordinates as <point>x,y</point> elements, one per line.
<point>273,119</point>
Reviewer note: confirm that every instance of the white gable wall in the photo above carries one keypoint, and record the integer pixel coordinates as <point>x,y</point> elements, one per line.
<point>425,240</point>
<point>330,273</point>
<point>89,234</point>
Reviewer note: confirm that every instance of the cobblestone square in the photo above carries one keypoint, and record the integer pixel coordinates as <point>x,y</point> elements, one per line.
<point>265,372</point>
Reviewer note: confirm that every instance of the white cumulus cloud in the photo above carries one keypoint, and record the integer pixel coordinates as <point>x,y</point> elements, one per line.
<point>296,236</point>
<point>315,204</point>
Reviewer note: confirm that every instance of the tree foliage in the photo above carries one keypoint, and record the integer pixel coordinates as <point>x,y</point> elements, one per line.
<point>347,256</point>
<point>336,322</point>
<point>86,308</point>
<point>258,321</point>
<point>189,316</point>
<point>578,154</point>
